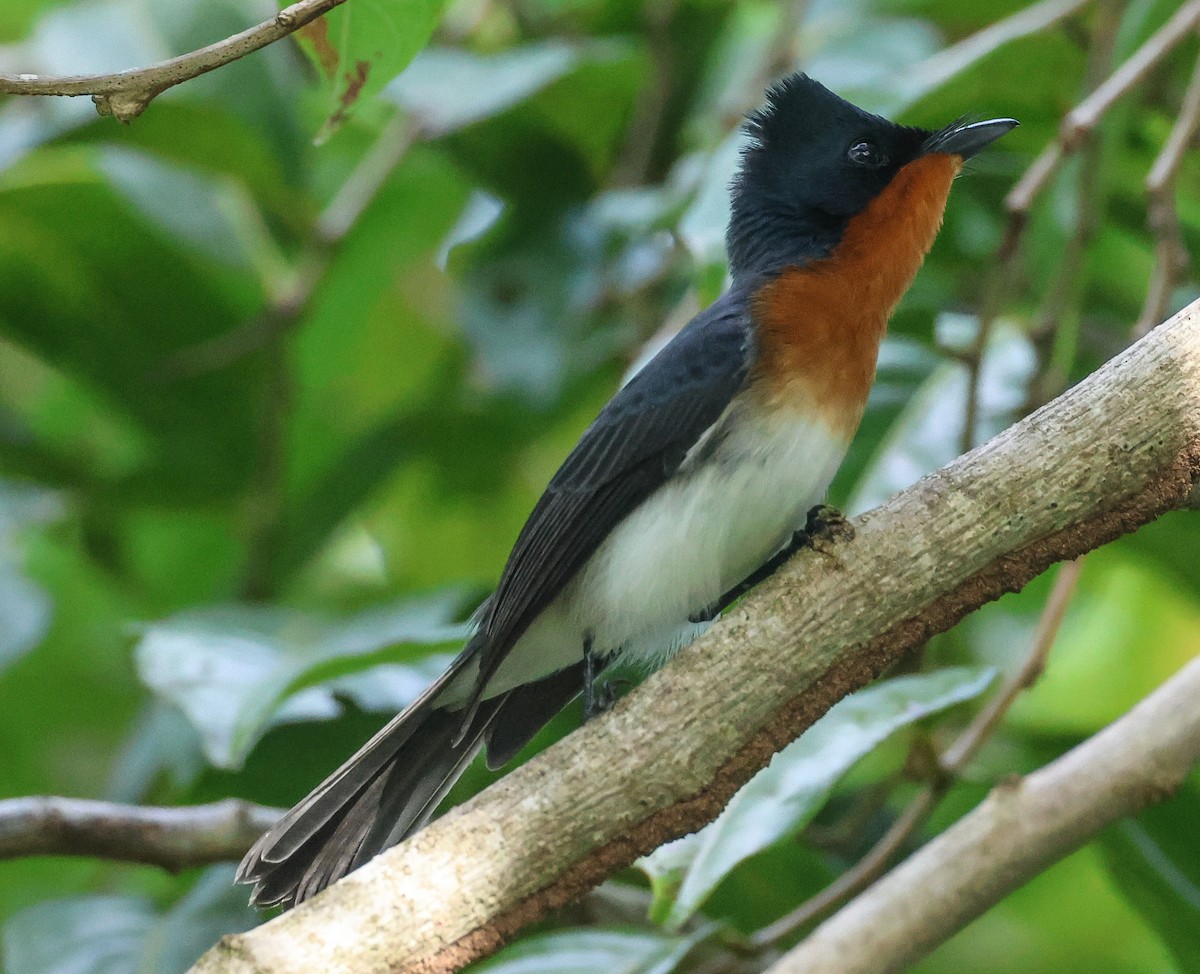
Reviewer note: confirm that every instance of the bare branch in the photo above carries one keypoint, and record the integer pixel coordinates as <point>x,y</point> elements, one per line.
<point>173,838</point>
<point>1087,114</point>
<point>1081,120</point>
<point>959,755</point>
<point>1170,254</point>
<point>950,765</point>
<point>1112,453</point>
<point>1020,829</point>
<point>125,94</point>
<point>1076,126</point>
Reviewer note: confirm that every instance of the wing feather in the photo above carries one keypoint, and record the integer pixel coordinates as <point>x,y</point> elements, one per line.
<point>636,443</point>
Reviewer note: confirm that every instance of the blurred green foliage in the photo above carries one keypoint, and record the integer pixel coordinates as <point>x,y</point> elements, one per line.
<point>282,372</point>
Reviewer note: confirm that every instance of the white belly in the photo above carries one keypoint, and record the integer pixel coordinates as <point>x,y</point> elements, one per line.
<point>697,537</point>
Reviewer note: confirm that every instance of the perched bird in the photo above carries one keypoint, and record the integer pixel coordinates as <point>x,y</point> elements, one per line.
<point>692,479</point>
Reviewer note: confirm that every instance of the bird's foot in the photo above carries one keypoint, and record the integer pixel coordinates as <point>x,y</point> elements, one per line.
<point>824,528</point>
<point>598,698</point>
<point>603,697</point>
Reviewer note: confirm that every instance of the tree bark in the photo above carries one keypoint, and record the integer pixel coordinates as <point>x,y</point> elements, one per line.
<point>1108,456</point>
<point>173,838</point>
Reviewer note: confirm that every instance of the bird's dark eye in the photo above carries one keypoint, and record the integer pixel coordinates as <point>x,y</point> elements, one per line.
<point>865,154</point>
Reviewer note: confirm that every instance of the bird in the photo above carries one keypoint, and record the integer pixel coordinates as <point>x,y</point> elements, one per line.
<point>692,483</point>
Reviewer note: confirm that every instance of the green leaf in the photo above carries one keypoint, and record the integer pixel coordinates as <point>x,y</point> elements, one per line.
<point>213,217</point>
<point>361,46</point>
<point>125,934</point>
<point>24,606</point>
<point>1155,862</point>
<point>74,256</point>
<point>702,227</point>
<point>446,89</point>
<point>1125,632</point>
<point>783,798</point>
<point>231,668</point>
<point>594,952</point>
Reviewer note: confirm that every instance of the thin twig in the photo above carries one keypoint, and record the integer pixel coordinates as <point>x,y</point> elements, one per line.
<point>173,838</point>
<point>267,499</point>
<point>125,94</point>
<point>951,764</point>
<point>635,163</point>
<point>966,746</point>
<point>1087,114</point>
<point>1023,827</point>
<point>1170,254</point>
<point>1081,120</point>
<point>1076,126</point>
<point>1056,330</point>
<point>367,178</point>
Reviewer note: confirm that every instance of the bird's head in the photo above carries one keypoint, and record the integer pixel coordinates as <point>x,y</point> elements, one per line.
<point>813,162</point>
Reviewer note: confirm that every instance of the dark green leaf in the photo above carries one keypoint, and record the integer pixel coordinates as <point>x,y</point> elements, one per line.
<point>125,934</point>
<point>594,952</point>
<point>24,605</point>
<point>1155,862</point>
<point>231,669</point>
<point>781,799</point>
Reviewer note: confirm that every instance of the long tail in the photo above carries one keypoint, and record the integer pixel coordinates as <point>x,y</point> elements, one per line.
<point>393,784</point>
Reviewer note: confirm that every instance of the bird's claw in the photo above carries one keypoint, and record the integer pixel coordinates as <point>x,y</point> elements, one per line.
<point>600,698</point>
<point>824,528</point>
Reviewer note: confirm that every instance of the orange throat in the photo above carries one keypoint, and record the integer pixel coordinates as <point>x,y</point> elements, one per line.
<point>820,326</point>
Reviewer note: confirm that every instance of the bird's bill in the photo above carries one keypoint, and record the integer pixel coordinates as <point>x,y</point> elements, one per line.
<point>964,140</point>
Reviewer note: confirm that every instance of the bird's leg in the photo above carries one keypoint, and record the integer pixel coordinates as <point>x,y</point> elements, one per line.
<point>823,527</point>
<point>592,706</point>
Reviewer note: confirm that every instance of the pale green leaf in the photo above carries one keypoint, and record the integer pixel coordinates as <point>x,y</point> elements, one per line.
<point>782,798</point>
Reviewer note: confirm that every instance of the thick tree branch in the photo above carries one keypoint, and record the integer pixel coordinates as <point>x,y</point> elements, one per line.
<point>1022,827</point>
<point>1113,453</point>
<point>173,838</point>
<point>125,94</point>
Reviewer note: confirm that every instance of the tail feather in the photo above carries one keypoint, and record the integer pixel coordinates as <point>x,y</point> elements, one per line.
<point>326,803</point>
<point>333,859</point>
<point>526,710</point>
<point>412,797</point>
<point>392,786</point>
<point>413,769</point>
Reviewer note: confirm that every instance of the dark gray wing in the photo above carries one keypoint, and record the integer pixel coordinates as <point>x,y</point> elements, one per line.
<point>636,443</point>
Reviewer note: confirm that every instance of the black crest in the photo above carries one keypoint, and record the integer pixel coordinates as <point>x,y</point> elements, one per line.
<point>811,162</point>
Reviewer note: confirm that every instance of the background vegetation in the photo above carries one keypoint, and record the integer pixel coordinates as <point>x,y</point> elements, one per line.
<point>285,363</point>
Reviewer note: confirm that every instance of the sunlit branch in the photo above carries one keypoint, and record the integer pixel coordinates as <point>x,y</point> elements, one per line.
<point>669,756</point>
<point>1076,126</point>
<point>125,94</point>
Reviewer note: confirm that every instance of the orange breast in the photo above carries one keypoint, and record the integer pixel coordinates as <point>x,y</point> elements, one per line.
<point>820,326</point>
